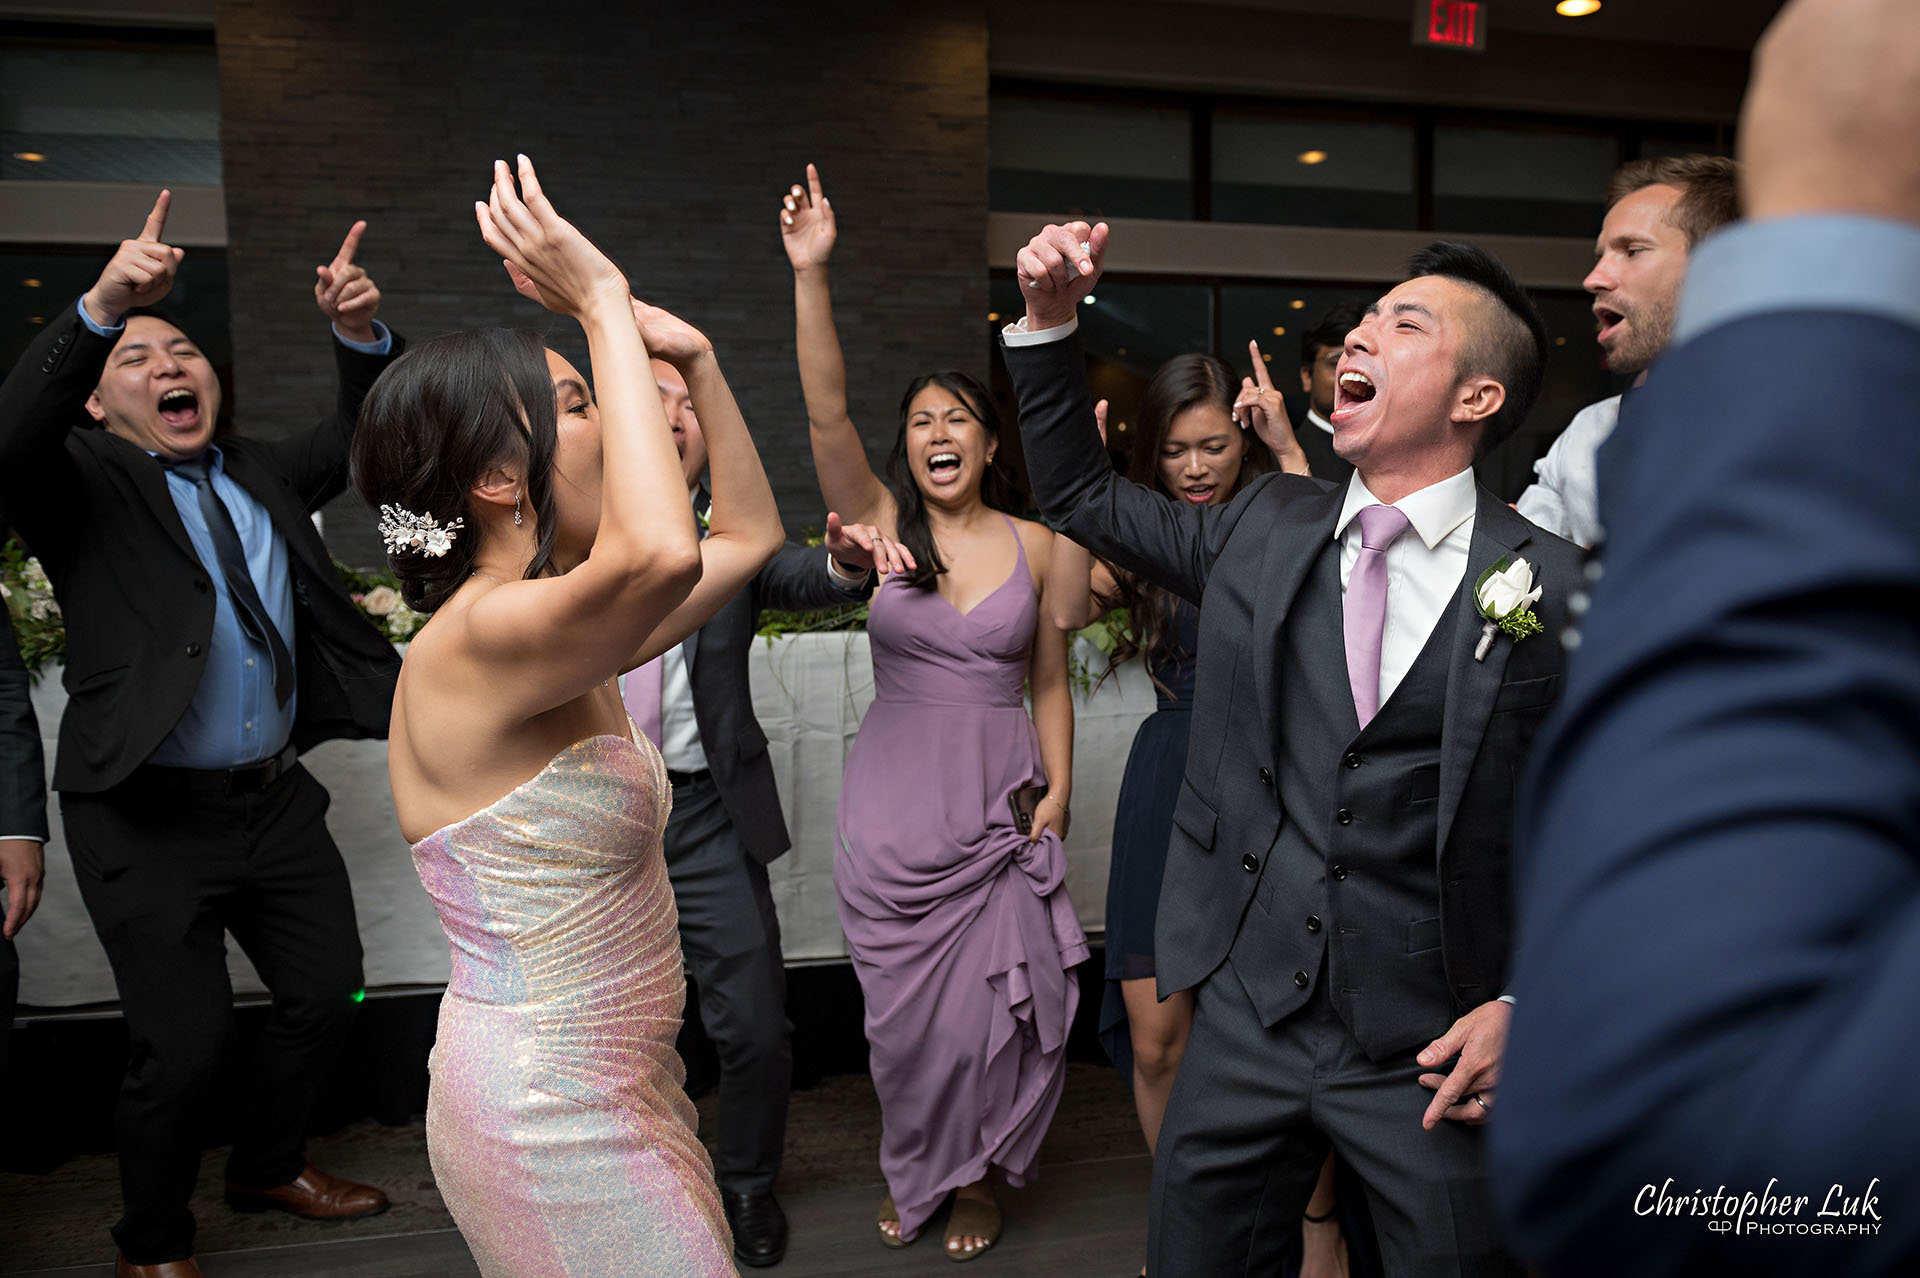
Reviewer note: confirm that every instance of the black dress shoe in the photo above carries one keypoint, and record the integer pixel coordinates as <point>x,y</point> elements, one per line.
<point>759,1228</point>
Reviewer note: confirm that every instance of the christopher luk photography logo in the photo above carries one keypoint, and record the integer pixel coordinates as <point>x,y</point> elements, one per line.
<point>1840,1211</point>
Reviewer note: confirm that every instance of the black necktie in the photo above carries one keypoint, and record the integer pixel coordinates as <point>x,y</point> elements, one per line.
<point>233,566</point>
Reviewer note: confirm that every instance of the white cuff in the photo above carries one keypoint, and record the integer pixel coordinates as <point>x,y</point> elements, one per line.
<point>24,838</point>
<point>1507,999</point>
<point>846,581</point>
<point>1016,334</point>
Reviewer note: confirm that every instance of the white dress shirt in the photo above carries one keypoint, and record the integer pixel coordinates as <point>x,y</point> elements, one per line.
<point>1565,497</point>
<point>1425,564</point>
<point>1315,419</point>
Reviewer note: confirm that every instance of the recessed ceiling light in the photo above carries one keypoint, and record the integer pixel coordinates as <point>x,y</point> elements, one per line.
<point>1298,303</point>
<point>1312,157</point>
<point>1121,351</point>
<point>992,316</point>
<point>1576,8</point>
<point>1559,341</point>
<point>1265,358</point>
<point>1122,427</point>
<point>37,319</point>
<point>1087,300</point>
<point>1279,330</point>
<point>29,283</point>
<point>31,157</point>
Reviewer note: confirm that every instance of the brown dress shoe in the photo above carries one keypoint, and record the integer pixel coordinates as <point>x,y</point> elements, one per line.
<point>124,1268</point>
<point>312,1194</point>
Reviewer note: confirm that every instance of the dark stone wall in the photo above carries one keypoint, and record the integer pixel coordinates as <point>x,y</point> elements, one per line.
<point>666,132</point>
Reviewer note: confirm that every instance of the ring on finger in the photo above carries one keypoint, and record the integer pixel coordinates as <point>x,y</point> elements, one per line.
<point>1481,1101</point>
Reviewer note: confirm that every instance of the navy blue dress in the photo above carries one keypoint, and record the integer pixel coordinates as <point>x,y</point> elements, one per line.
<point>1143,825</point>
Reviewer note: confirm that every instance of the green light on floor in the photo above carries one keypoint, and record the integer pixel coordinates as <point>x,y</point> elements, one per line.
<point>359,996</point>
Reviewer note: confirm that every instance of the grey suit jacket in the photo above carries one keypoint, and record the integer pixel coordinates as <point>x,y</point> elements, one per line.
<point>1243,563</point>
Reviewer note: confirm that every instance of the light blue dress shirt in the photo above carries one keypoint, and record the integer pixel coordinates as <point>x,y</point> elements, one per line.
<point>233,718</point>
<point>1825,262</point>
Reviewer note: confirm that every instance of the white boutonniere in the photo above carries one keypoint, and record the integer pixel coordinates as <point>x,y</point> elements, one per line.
<point>1505,595</point>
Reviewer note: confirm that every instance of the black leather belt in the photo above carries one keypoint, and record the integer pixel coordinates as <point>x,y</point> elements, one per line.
<point>676,778</point>
<point>250,778</point>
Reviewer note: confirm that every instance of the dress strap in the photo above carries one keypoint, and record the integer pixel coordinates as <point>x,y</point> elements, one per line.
<point>1019,545</point>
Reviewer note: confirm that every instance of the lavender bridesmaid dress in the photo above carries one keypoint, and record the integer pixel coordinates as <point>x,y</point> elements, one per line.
<point>961,930</point>
<point>557,1127</point>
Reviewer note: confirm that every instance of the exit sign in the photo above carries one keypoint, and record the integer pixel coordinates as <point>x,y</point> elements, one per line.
<point>1451,24</point>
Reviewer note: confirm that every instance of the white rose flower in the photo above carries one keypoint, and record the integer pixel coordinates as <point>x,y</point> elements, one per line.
<point>5,594</point>
<point>1506,592</point>
<point>403,621</point>
<point>381,600</point>
<point>35,576</point>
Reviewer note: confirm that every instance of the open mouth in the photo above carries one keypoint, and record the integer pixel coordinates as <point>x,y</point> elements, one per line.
<point>943,468</point>
<point>180,408</point>
<point>1353,391</point>
<point>1608,322</point>
<point>1198,494</point>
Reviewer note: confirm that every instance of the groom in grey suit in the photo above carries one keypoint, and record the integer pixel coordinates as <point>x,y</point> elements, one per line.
<point>1336,890</point>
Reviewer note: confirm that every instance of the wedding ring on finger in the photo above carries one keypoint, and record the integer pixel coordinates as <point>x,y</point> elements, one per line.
<point>1481,1101</point>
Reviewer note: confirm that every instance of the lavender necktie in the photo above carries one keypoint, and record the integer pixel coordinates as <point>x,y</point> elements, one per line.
<point>642,695</point>
<point>1366,606</point>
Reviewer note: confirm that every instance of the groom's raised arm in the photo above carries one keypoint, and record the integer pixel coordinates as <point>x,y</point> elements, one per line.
<point>1171,543</point>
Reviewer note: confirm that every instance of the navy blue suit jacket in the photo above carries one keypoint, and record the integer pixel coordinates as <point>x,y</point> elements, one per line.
<point>1718,972</point>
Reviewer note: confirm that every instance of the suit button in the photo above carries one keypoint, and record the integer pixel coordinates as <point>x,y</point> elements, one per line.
<point>1313,922</point>
<point>1340,872</point>
<point>193,650</point>
<point>1344,817</point>
<point>1353,761</point>
<point>1266,778</point>
<point>1300,979</point>
<point>1249,863</point>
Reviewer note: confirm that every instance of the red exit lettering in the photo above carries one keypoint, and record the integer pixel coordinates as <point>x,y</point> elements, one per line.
<point>1452,21</point>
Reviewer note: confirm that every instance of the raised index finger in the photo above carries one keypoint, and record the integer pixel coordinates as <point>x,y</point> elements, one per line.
<point>157,220</point>
<point>1259,367</point>
<point>349,246</point>
<point>813,186</point>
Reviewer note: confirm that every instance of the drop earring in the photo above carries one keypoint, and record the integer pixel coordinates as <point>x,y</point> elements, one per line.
<point>516,512</point>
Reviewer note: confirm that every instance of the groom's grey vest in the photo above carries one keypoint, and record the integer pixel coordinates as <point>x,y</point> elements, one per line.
<point>1351,892</point>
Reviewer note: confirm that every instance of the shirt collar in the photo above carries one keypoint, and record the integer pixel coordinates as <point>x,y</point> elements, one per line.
<point>1315,419</point>
<point>215,465</point>
<point>1434,511</point>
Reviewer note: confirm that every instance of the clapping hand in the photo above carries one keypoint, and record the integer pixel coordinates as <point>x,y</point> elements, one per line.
<point>807,228</point>
<point>562,268</point>
<point>863,548</point>
<point>1057,268</point>
<point>140,272</point>
<point>346,294</point>
<point>1260,408</point>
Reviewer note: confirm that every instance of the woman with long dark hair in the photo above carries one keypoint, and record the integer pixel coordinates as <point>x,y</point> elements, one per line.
<point>1202,435</point>
<point>958,921</point>
<point>548,533</point>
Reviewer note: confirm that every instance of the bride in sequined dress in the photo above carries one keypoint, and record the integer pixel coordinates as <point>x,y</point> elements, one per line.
<point>549,534</point>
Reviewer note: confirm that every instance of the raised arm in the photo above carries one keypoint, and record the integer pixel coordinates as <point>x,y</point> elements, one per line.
<point>743,528</point>
<point>1077,583</point>
<point>561,635</point>
<point>1073,480</point>
<point>847,481</point>
<point>1259,407</point>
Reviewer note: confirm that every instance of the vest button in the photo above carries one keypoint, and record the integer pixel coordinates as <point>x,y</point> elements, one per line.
<point>1313,922</point>
<point>1300,979</point>
<point>1340,872</point>
<point>1266,778</point>
<point>1344,817</point>
<point>1353,761</point>
<point>193,650</point>
<point>1249,863</point>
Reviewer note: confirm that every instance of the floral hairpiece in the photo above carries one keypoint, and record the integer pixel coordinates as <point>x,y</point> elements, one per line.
<point>402,530</point>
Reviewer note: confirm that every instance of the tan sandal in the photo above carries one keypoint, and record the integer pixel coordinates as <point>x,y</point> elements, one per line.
<point>890,1216</point>
<point>972,1218</point>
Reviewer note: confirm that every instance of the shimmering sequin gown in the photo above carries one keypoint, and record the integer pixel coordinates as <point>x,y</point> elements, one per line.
<point>557,1126</point>
<point>961,931</point>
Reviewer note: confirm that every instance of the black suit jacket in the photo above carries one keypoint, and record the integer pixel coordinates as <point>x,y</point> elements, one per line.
<point>1243,563</point>
<point>138,601</point>
<point>23,774</point>
<point>1321,459</point>
<point>736,748</point>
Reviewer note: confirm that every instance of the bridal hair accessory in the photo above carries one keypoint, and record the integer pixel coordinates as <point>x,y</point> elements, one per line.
<point>402,530</point>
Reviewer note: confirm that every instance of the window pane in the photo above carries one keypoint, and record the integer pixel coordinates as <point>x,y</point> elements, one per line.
<point>39,282</point>
<point>120,113</point>
<point>1308,172</point>
<point>1090,158</point>
<point>1129,329</point>
<point>1521,181</point>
